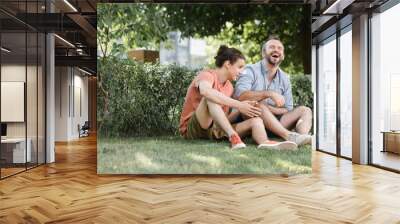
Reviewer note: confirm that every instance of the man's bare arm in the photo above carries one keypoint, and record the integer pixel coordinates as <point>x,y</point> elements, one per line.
<point>262,95</point>
<point>277,110</point>
<point>254,95</point>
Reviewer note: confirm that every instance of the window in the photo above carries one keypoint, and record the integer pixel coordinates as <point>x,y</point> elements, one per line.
<point>22,69</point>
<point>346,93</point>
<point>327,96</point>
<point>385,84</point>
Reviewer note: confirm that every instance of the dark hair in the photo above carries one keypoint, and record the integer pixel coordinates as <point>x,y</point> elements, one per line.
<point>273,37</point>
<point>227,54</point>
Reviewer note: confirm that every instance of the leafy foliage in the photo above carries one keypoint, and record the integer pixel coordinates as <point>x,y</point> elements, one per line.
<point>247,27</point>
<point>301,90</point>
<point>124,26</point>
<point>145,99</point>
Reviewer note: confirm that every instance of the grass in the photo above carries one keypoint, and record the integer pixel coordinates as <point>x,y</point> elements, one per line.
<point>174,155</point>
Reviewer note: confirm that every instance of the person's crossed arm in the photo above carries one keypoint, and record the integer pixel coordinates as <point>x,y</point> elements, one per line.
<point>244,91</point>
<point>262,95</point>
<point>245,107</point>
<point>277,110</point>
<point>287,94</point>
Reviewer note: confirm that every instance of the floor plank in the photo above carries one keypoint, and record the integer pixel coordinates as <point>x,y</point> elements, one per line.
<point>70,191</point>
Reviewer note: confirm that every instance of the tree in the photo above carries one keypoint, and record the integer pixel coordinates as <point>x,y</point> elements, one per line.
<point>122,26</point>
<point>248,26</point>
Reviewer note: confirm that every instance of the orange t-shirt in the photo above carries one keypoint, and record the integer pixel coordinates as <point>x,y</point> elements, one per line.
<point>193,96</point>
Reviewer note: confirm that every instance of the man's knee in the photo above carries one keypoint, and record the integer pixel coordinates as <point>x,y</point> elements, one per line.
<point>305,110</point>
<point>256,121</point>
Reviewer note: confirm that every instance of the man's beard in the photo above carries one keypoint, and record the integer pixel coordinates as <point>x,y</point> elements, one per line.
<point>270,61</point>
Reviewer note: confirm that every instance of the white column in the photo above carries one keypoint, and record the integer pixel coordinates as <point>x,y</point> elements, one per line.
<point>50,100</point>
<point>360,90</point>
<point>50,92</point>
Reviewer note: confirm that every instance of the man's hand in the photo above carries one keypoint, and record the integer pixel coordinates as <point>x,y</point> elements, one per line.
<point>249,108</point>
<point>278,99</point>
<point>251,102</point>
<point>276,110</point>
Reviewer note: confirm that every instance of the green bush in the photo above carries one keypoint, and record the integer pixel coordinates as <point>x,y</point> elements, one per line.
<point>146,99</point>
<point>301,90</point>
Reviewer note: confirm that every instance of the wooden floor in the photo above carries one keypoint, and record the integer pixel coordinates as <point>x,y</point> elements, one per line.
<point>5,172</point>
<point>70,191</point>
<point>386,159</point>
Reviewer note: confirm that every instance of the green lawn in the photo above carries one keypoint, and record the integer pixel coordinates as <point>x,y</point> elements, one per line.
<point>174,155</point>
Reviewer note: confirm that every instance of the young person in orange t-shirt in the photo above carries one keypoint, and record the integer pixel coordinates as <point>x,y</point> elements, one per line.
<point>206,114</point>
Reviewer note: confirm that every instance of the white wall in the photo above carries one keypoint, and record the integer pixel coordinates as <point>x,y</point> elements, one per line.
<point>33,126</point>
<point>16,73</point>
<point>62,81</point>
<point>79,117</point>
<point>13,72</point>
<point>70,83</point>
<point>13,100</point>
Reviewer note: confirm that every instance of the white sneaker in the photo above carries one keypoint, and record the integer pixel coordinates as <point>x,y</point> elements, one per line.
<point>285,145</point>
<point>300,139</point>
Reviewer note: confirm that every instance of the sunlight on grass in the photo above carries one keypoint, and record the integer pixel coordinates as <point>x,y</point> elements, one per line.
<point>174,155</point>
<point>292,166</point>
<point>212,161</point>
<point>242,156</point>
<point>145,161</point>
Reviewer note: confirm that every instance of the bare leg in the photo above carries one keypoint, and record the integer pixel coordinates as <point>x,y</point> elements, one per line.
<point>300,118</point>
<point>208,111</point>
<point>203,116</point>
<point>272,123</point>
<point>255,126</point>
